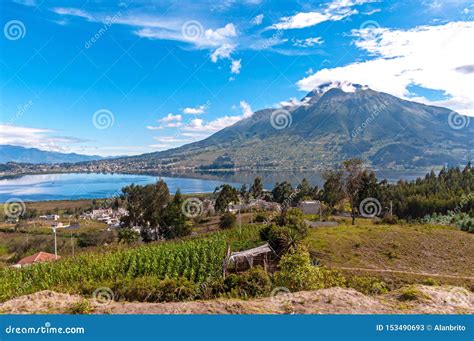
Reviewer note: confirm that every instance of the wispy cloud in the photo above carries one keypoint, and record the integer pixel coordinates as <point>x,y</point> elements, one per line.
<point>257,20</point>
<point>45,139</point>
<point>308,42</point>
<point>201,109</point>
<point>333,11</point>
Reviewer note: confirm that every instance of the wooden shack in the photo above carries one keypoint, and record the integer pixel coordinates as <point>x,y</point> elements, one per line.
<point>240,261</point>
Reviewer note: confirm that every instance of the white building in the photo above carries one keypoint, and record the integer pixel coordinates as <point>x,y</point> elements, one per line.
<point>49,217</point>
<point>310,206</point>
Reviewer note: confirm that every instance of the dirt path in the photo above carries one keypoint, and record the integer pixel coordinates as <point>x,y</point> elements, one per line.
<point>406,272</point>
<point>429,300</point>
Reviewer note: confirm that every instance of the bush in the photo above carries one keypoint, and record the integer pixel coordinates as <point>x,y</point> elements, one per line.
<point>80,308</point>
<point>260,218</point>
<point>390,219</point>
<point>280,238</point>
<point>227,220</point>
<point>430,281</point>
<point>252,283</point>
<point>367,285</point>
<point>296,273</point>
<point>410,293</point>
<point>147,289</point>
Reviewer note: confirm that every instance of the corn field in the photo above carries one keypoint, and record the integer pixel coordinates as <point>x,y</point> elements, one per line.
<point>196,259</point>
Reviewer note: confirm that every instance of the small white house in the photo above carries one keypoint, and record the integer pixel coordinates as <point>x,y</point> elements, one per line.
<point>310,206</point>
<point>49,217</point>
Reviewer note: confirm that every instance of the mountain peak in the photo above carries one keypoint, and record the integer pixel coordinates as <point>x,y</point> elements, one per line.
<point>342,85</point>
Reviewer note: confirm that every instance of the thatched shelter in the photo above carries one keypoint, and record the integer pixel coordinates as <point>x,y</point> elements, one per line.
<point>239,261</point>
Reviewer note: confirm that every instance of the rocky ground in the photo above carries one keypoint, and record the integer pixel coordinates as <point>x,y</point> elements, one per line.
<point>411,300</point>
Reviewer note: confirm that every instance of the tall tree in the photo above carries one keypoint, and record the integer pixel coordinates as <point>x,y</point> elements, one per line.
<point>173,223</point>
<point>257,188</point>
<point>332,192</point>
<point>226,194</point>
<point>282,192</point>
<point>352,183</point>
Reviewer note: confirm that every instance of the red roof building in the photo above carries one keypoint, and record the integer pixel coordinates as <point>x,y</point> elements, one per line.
<point>37,258</point>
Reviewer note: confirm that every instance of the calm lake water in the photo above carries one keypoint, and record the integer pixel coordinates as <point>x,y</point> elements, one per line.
<point>90,185</point>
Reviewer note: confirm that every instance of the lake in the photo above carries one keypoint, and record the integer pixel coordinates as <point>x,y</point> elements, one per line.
<point>90,185</point>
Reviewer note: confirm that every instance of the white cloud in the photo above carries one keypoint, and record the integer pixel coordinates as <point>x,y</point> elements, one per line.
<point>194,135</point>
<point>308,42</point>
<point>257,20</point>
<point>195,111</point>
<point>171,118</point>
<point>222,52</point>
<point>76,12</point>
<point>246,109</point>
<point>292,102</point>
<point>334,11</point>
<point>35,137</point>
<point>432,57</point>
<point>235,66</point>
<point>198,125</point>
<point>154,127</point>
<point>170,139</point>
<point>222,41</point>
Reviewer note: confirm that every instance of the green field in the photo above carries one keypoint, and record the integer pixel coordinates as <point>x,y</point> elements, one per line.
<point>197,260</point>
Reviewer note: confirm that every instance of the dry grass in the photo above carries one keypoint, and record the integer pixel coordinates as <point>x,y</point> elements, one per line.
<point>409,248</point>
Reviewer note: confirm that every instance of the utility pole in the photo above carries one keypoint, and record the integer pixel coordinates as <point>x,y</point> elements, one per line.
<point>391,208</point>
<point>55,244</point>
<point>72,245</point>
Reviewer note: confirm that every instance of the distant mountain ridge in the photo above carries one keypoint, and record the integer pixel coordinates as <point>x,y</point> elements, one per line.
<point>9,153</point>
<point>333,122</point>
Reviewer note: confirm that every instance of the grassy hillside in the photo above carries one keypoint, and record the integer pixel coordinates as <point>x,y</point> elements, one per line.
<point>407,248</point>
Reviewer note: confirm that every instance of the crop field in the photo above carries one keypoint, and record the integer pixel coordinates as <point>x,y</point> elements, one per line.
<point>196,259</point>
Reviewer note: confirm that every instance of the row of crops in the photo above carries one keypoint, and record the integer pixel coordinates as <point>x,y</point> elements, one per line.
<point>196,259</point>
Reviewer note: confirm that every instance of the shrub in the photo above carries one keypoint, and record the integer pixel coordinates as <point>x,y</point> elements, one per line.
<point>176,289</point>
<point>260,218</point>
<point>410,293</point>
<point>252,283</point>
<point>293,219</point>
<point>367,285</point>
<point>227,220</point>
<point>127,236</point>
<point>280,238</point>
<point>430,281</point>
<point>390,219</point>
<point>80,308</point>
<point>296,273</point>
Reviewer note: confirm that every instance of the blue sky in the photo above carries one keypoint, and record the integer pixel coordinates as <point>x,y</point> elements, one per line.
<point>128,77</point>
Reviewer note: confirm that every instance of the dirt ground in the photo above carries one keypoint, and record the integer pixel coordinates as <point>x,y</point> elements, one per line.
<point>428,300</point>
